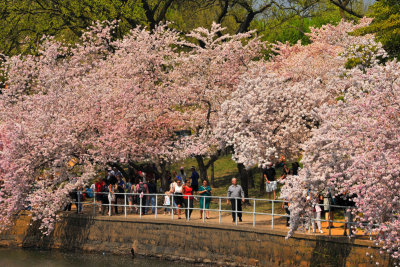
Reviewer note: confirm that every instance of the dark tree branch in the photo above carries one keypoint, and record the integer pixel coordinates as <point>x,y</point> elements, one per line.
<point>344,8</point>
<point>149,14</point>
<point>244,26</point>
<point>224,11</point>
<point>163,12</point>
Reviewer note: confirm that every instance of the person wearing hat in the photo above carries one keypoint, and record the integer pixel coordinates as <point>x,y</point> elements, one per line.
<point>195,179</point>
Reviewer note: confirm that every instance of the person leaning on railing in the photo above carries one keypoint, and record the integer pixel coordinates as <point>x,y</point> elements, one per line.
<point>142,190</point>
<point>188,198</point>
<point>205,192</point>
<point>178,196</point>
<point>235,191</point>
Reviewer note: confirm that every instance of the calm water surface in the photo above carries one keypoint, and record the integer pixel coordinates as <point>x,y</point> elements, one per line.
<point>31,258</point>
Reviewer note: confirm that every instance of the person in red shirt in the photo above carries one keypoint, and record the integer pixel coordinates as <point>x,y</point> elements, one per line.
<point>188,199</point>
<point>99,188</point>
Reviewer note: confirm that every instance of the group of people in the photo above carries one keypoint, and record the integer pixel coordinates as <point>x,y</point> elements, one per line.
<point>181,192</point>
<point>326,204</point>
<point>142,194</point>
<point>110,191</point>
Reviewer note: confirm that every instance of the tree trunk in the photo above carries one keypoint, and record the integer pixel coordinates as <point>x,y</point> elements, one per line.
<point>262,182</point>
<point>244,179</point>
<point>244,26</point>
<point>202,168</point>
<point>164,178</point>
<point>212,174</point>
<point>251,178</point>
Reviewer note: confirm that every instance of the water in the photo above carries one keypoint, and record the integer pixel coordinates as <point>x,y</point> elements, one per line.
<point>32,258</point>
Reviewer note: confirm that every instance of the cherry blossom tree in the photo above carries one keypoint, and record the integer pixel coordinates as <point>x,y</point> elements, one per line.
<point>206,77</point>
<point>356,150</point>
<point>100,101</point>
<point>275,105</point>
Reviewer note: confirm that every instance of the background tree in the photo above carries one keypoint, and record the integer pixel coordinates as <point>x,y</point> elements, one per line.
<point>386,25</point>
<point>293,23</point>
<point>23,23</point>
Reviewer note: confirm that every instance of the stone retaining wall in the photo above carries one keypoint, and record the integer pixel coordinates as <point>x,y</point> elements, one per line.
<point>201,243</point>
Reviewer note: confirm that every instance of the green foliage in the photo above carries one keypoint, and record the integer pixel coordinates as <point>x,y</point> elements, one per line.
<point>340,98</point>
<point>295,29</point>
<point>386,25</point>
<point>188,15</point>
<point>24,22</point>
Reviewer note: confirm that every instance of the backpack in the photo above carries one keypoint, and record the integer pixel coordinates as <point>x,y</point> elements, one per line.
<point>141,188</point>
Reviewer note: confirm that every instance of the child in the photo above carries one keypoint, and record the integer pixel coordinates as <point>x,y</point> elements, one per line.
<point>166,203</point>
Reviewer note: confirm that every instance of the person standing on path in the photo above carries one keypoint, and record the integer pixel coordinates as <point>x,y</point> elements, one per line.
<point>235,192</point>
<point>100,184</point>
<point>178,196</point>
<point>142,189</point>
<point>205,191</point>
<point>188,199</point>
<point>195,179</point>
<point>317,213</point>
<point>270,183</point>
<point>152,198</point>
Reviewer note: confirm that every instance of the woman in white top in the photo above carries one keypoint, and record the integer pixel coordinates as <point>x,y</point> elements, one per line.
<point>317,213</point>
<point>111,198</point>
<point>178,196</point>
<point>167,202</point>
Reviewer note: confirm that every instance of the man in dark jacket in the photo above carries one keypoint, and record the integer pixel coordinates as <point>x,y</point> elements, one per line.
<point>195,179</point>
<point>152,198</point>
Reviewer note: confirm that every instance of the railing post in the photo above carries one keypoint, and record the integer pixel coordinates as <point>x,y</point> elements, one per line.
<point>312,223</point>
<point>329,219</point>
<point>254,213</point>
<point>140,205</point>
<point>349,215</point>
<point>273,212</point>
<point>94,203</point>
<point>219,211</point>
<point>236,211</point>
<point>109,204</point>
<point>79,203</point>
<point>155,213</point>
<point>172,207</point>
<point>125,203</point>
<point>204,208</point>
<point>187,209</point>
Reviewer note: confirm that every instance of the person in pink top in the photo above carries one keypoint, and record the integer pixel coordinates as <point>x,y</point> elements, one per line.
<point>142,189</point>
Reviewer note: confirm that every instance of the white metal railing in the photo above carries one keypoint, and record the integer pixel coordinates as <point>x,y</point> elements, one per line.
<point>140,206</point>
